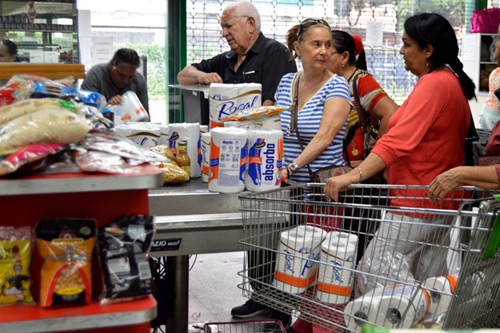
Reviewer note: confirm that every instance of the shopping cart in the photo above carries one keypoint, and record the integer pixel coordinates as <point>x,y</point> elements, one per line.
<point>245,326</point>
<point>382,255</point>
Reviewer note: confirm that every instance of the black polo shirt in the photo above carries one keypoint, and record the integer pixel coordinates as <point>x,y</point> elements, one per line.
<point>266,62</point>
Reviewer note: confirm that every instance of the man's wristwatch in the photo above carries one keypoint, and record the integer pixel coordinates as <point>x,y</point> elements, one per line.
<point>292,168</point>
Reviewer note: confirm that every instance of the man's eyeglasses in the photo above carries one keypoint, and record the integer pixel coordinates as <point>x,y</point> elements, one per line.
<point>308,23</point>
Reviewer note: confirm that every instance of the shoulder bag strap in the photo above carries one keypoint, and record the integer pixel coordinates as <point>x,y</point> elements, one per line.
<point>295,112</point>
<point>362,114</point>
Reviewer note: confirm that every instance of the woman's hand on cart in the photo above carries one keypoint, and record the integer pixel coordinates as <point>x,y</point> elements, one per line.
<point>443,184</point>
<point>337,184</point>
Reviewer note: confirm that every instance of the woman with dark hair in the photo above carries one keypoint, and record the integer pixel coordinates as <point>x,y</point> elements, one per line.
<point>426,137</point>
<point>349,60</point>
<point>8,51</point>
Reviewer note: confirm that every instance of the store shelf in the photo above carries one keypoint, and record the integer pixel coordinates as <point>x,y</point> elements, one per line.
<point>143,177</point>
<point>27,318</point>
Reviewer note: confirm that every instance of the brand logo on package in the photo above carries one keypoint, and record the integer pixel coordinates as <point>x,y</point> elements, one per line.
<point>171,244</point>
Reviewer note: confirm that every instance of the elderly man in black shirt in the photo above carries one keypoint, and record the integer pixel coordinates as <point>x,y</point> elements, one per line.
<point>253,57</point>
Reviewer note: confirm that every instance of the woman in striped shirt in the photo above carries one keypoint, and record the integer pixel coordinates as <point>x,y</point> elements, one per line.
<point>323,104</point>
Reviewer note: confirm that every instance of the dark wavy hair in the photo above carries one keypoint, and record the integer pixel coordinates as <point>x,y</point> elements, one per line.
<point>344,42</point>
<point>127,57</point>
<point>434,29</point>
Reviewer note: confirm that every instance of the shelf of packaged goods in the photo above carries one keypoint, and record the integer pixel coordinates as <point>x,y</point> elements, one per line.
<point>103,197</point>
<point>131,316</point>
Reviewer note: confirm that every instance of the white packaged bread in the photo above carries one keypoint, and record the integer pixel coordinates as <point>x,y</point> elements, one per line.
<point>21,108</point>
<point>45,126</point>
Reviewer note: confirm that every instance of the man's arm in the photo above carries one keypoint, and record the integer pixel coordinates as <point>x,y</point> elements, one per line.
<point>190,75</point>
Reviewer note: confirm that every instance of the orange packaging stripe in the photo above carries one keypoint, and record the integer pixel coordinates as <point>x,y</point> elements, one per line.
<point>294,281</point>
<point>453,281</point>
<point>333,289</point>
<point>214,124</point>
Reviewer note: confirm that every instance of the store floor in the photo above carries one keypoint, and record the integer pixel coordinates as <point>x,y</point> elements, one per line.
<point>213,288</point>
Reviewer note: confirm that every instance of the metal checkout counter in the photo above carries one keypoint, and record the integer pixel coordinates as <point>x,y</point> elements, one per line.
<point>190,220</point>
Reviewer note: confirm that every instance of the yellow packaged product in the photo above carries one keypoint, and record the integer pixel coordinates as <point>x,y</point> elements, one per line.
<point>256,112</point>
<point>15,262</point>
<point>172,173</point>
<point>163,150</point>
<point>66,246</point>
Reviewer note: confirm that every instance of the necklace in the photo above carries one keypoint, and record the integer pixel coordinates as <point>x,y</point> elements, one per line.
<point>350,77</point>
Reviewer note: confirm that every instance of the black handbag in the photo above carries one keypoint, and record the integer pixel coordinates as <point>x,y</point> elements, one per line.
<point>321,175</point>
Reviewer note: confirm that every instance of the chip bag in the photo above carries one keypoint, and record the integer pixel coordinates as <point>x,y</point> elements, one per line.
<point>66,246</point>
<point>124,246</point>
<point>15,261</point>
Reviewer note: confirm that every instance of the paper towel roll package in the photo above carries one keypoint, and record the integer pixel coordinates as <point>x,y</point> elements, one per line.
<point>264,123</point>
<point>335,280</point>
<point>228,98</point>
<point>265,158</point>
<point>205,156</point>
<point>295,270</point>
<point>440,289</point>
<point>228,159</point>
<point>390,307</point>
<point>144,134</point>
<point>189,132</point>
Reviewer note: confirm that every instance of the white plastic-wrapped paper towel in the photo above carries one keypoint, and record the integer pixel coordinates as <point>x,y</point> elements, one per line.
<point>144,134</point>
<point>261,123</point>
<point>390,307</point>
<point>335,280</point>
<point>265,158</point>
<point>228,159</point>
<point>440,300</point>
<point>205,156</point>
<point>227,98</point>
<point>164,135</point>
<point>189,132</point>
<point>295,272</point>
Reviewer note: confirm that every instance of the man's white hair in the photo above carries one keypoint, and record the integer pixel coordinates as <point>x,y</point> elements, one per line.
<point>246,9</point>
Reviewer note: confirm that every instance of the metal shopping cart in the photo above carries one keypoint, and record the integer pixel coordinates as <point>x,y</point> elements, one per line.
<point>245,326</point>
<point>382,255</point>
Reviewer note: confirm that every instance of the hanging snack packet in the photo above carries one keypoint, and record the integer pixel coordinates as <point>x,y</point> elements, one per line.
<point>123,250</point>
<point>66,246</point>
<point>15,261</point>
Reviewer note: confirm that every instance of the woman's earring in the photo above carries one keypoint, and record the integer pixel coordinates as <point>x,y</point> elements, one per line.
<point>342,65</point>
<point>427,62</point>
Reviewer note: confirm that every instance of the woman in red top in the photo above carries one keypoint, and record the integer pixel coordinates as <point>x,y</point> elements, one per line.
<point>426,137</point>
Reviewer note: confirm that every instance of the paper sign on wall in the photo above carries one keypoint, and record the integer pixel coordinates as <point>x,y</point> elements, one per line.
<point>374,33</point>
<point>102,49</point>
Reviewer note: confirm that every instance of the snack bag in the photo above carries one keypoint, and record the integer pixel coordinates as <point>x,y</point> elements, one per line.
<point>66,246</point>
<point>123,250</point>
<point>15,261</point>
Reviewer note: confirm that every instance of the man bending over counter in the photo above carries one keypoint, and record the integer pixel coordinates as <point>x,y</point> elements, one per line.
<point>115,78</point>
<point>253,57</point>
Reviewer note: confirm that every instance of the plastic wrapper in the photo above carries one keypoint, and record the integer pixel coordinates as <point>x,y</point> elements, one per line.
<point>45,126</point>
<point>172,173</point>
<point>24,107</point>
<point>66,248</point>
<point>256,112</point>
<point>52,89</point>
<point>96,161</point>
<point>15,262</point>
<point>124,246</point>
<point>110,143</point>
<point>163,150</point>
<point>384,267</point>
<point>15,91</point>
<point>27,158</point>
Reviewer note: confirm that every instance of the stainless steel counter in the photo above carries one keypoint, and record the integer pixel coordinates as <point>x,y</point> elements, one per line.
<point>190,220</point>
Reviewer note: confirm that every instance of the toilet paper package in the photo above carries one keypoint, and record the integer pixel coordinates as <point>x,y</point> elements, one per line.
<point>295,270</point>
<point>265,158</point>
<point>226,99</point>
<point>228,159</point>
<point>164,135</point>
<point>263,123</point>
<point>133,107</point>
<point>143,134</point>
<point>440,288</point>
<point>392,307</point>
<point>335,280</point>
<point>205,156</point>
<point>189,132</point>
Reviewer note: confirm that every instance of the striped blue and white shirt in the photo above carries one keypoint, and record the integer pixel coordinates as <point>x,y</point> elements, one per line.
<point>308,121</point>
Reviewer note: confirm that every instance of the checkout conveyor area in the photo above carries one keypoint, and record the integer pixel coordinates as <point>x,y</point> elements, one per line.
<point>189,220</point>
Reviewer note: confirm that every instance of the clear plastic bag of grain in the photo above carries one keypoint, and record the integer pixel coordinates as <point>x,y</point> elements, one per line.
<point>172,173</point>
